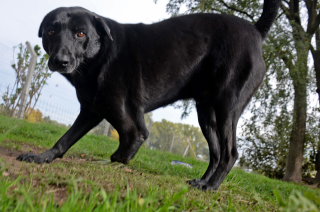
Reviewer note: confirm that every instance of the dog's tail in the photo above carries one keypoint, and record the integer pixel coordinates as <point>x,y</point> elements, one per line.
<point>270,11</point>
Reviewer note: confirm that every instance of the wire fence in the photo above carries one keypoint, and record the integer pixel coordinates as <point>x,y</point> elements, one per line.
<point>53,111</point>
<point>54,106</point>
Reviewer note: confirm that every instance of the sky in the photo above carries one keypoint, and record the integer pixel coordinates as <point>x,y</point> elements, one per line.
<point>20,21</point>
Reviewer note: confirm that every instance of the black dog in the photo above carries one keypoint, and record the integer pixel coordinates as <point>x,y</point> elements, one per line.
<point>121,71</point>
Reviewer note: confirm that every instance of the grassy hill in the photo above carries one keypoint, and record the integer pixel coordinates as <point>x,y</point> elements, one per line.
<point>85,180</point>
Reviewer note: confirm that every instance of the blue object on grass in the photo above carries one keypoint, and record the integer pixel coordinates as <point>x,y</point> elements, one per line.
<point>181,163</point>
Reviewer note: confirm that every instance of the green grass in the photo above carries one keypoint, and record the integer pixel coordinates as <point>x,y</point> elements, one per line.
<point>148,183</point>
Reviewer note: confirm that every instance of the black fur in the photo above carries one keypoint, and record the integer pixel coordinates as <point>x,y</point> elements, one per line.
<point>121,71</point>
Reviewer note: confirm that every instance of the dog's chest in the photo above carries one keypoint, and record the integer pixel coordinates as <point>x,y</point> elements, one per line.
<point>92,95</point>
<point>86,92</point>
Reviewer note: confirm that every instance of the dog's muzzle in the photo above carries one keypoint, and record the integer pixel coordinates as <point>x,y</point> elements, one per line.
<point>61,64</point>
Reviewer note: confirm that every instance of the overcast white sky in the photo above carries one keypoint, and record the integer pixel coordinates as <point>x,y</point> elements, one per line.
<point>20,21</point>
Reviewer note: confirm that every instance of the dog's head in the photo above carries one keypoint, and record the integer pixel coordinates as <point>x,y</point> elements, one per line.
<point>71,35</point>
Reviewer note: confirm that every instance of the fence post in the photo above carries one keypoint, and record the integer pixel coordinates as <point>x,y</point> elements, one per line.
<point>26,87</point>
<point>149,129</point>
<point>106,128</point>
<point>172,139</point>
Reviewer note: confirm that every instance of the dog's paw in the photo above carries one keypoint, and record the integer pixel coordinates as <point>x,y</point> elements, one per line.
<point>205,186</point>
<point>202,185</point>
<point>34,158</point>
<point>117,158</point>
<point>208,187</point>
<point>194,181</point>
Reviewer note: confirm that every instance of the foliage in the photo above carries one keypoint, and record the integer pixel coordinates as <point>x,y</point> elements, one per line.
<point>185,105</point>
<point>298,201</point>
<point>48,120</point>
<point>34,116</point>
<point>165,132</point>
<point>114,134</point>
<point>11,97</point>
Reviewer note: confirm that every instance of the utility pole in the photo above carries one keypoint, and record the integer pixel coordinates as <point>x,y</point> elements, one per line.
<point>26,87</point>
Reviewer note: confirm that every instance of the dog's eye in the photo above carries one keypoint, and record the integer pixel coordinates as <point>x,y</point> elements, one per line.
<point>51,32</point>
<point>80,34</point>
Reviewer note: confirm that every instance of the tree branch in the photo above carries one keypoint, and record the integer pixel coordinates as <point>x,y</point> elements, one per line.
<point>286,11</point>
<point>296,10</point>
<point>279,16</point>
<point>313,27</point>
<point>311,48</point>
<point>293,17</point>
<point>237,10</point>
<point>286,60</point>
<point>286,2</point>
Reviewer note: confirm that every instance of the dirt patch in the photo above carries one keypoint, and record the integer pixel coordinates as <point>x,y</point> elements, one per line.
<point>9,152</point>
<point>14,168</point>
<point>9,157</point>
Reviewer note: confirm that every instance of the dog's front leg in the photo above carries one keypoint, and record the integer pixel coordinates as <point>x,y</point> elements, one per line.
<point>84,122</point>
<point>132,132</point>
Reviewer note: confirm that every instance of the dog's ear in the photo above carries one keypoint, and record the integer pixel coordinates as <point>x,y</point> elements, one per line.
<point>40,30</point>
<point>103,26</point>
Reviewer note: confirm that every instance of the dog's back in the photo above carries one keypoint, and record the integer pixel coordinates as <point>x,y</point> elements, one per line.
<point>180,57</point>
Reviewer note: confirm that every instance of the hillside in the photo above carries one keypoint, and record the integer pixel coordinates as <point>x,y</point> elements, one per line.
<point>85,180</point>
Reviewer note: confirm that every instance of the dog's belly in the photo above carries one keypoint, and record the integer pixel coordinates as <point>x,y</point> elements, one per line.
<point>178,91</point>
<point>161,102</point>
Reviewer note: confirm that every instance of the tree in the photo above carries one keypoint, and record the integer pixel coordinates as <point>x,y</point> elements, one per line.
<point>175,137</point>
<point>282,99</point>
<point>40,76</point>
<point>47,119</point>
<point>299,76</point>
<point>34,116</point>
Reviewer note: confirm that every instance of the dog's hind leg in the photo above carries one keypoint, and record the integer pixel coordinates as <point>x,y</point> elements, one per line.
<point>228,152</point>
<point>208,124</point>
<point>228,109</point>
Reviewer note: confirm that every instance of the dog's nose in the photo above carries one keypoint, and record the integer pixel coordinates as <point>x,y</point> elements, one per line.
<point>65,63</point>
<point>61,61</point>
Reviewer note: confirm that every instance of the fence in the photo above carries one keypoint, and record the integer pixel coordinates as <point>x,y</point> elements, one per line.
<point>53,104</point>
<point>57,112</point>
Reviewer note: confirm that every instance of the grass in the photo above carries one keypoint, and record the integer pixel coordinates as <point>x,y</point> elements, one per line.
<point>85,180</point>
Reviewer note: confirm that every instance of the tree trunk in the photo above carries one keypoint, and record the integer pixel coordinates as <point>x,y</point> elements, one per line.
<point>316,58</point>
<point>298,75</point>
<point>297,139</point>
<point>316,62</point>
<point>317,179</point>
